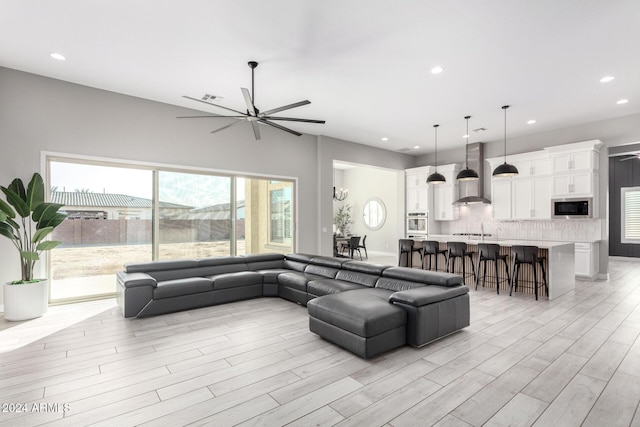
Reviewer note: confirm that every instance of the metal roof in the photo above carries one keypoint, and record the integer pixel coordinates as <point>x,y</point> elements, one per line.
<point>107,200</point>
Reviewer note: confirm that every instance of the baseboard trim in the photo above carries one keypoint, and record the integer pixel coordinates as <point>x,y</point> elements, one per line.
<point>603,276</point>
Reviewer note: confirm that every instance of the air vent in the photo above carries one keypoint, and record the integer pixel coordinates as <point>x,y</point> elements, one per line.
<point>480,130</point>
<point>208,97</point>
<point>404,150</point>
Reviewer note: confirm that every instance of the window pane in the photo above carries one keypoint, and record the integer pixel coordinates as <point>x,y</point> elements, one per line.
<point>195,217</point>
<point>108,225</point>
<point>630,214</point>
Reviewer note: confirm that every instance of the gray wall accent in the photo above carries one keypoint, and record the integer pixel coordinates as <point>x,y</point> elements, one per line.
<point>40,114</point>
<point>622,174</point>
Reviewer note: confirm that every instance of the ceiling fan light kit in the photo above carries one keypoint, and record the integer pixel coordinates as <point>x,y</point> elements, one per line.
<point>253,115</point>
<point>467,174</point>
<point>505,170</point>
<point>436,178</point>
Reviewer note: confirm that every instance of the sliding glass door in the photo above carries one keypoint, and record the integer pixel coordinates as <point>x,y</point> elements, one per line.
<point>120,214</point>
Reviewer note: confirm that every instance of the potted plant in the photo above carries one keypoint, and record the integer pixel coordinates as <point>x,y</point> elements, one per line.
<point>26,219</point>
<point>343,220</point>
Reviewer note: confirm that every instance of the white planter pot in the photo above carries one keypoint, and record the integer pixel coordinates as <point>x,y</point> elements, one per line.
<point>27,301</point>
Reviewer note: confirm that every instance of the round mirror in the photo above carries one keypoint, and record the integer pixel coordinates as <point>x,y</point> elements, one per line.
<point>374,213</point>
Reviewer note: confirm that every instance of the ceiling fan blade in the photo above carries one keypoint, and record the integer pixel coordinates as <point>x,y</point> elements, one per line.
<point>292,119</point>
<point>277,126</point>
<point>286,107</point>
<point>205,117</point>
<point>236,122</point>
<point>630,158</point>
<point>213,105</point>
<point>247,99</point>
<point>256,131</point>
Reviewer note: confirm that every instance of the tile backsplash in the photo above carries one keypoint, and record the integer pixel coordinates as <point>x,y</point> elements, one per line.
<point>475,218</point>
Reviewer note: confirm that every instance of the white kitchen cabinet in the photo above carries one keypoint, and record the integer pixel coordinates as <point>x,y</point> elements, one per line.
<point>443,197</point>
<point>535,163</point>
<point>416,188</point>
<point>587,260</point>
<point>575,184</point>
<point>531,197</point>
<point>574,161</point>
<point>501,198</point>
<point>417,199</point>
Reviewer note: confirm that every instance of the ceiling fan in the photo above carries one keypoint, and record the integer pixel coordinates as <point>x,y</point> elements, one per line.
<point>631,156</point>
<point>253,115</point>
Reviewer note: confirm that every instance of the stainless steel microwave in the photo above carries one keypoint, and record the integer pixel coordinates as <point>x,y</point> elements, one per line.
<point>572,208</point>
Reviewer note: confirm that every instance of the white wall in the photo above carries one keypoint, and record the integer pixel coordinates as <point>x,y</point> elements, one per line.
<point>365,183</point>
<point>41,114</point>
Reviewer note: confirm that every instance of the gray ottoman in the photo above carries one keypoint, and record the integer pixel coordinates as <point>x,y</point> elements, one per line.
<point>361,321</point>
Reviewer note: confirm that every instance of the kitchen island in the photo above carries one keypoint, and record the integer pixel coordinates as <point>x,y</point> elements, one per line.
<point>560,261</point>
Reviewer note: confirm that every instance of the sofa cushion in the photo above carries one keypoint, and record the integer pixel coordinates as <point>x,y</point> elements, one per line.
<point>357,277</point>
<point>271,275</point>
<point>361,312</point>
<point>223,260</point>
<point>294,265</point>
<point>418,297</point>
<point>397,284</point>
<point>264,261</point>
<point>304,258</point>
<point>320,270</point>
<point>186,286</point>
<point>146,267</point>
<point>423,276</point>
<point>236,280</point>
<point>330,286</point>
<point>328,261</point>
<point>296,280</point>
<point>365,267</point>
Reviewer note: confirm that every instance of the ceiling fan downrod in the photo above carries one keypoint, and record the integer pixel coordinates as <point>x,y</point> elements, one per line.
<point>252,65</point>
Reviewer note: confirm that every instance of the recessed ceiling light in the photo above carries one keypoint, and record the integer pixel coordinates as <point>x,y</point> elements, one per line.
<point>465,136</point>
<point>58,56</point>
<point>437,70</point>
<point>416,147</point>
<point>606,79</point>
<point>385,138</point>
<point>530,122</point>
<point>622,101</point>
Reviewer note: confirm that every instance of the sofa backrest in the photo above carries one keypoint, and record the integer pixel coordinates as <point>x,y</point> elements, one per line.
<point>320,270</point>
<point>397,284</point>
<point>424,276</point>
<point>357,277</point>
<point>364,267</point>
<point>264,261</point>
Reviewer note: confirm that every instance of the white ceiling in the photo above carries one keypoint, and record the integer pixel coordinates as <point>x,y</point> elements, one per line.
<point>364,64</point>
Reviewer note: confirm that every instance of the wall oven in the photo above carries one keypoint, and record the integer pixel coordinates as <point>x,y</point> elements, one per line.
<point>417,223</point>
<point>572,208</point>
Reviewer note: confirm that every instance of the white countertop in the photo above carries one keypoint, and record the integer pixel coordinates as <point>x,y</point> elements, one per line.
<point>474,240</point>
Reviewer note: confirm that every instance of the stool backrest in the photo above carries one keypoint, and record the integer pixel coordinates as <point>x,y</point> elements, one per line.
<point>525,253</point>
<point>488,251</point>
<point>406,245</point>
<point>430,247</point>
<point>457,248</point>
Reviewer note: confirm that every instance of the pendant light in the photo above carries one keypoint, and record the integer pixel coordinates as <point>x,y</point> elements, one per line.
<point>436,178</point>
<point>467,174</point>
<point>505,169</point>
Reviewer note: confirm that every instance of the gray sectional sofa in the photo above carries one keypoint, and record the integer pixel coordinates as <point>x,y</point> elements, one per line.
<point>366,308</point>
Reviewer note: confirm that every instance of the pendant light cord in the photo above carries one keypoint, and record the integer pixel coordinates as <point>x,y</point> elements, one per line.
<point>466,147</point>
<point>436,132</point>
<point>504,107</point>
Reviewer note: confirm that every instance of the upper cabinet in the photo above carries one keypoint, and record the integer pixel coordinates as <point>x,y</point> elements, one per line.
<point>417,198</point>
<point>445,194</point>
<point>575,169</point>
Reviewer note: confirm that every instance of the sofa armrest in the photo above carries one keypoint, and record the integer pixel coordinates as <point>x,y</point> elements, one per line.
<point>133,280</point>
<point>426,295</point>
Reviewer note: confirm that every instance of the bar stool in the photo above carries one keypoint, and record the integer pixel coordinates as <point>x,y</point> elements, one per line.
<point>406,247</point>
<point>491,252</point>
<point>431,248</point>
<point>459,250</point>
<point>527,255</point>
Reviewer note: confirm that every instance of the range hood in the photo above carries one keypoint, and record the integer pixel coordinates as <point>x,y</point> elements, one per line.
<point>472,192</point>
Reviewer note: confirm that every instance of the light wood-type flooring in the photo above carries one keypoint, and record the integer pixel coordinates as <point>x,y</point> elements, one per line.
<point>568,362</point>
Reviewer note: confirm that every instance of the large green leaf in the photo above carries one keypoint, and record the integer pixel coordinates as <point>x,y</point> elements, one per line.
<point>35,191</point>
<point>53,221</point>
<point>13,224</point>
<point>7,231</point>
<point>18,187</point>
<point>16,201</point>
<point>6,209</point>
<point>3,216</point>
<point>47,245</point>
<point>41,234</point>
<point>45,211</point>
<point>31,256</point>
